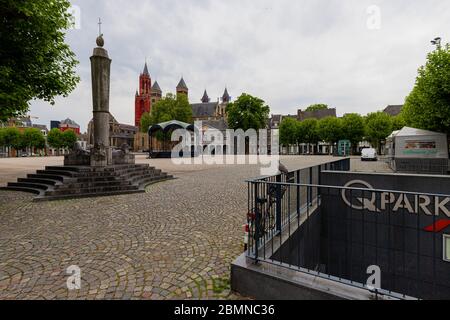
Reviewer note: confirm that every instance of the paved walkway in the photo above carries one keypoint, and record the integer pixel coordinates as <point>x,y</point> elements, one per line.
<point>176,241</point>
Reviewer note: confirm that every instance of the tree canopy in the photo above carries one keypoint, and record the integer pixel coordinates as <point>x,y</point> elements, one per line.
<point>11,138</point>
<point>353,128</point>
<point>318,106</point>
<point>248,112</point>
<point>307,131</point>
<point>398,122</point>
<point>35,62</point>
<point>146,122</point>
<point>288,131</point>
<point>54,138</point>
<point>69,138</point>
<point>329,129</point>
<point>378,127</point>
<point>33,138</point>
<point>171,107</point>
<point>428,105</point>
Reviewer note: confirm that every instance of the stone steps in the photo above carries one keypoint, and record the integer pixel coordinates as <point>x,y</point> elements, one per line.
<point>84,195</point>
<point>23,189</point>
<point>67,168</point>
<point>46,176</point>
<point>29,185</point>
<point>96,178</point>
<point>96,184</point>
<point>147,176</point>
<point>139,174</point>
<point>39,180</point>
<point>90,190</point>
<point>63,182</point>
<point>145,182</point>
<point>57,173</point>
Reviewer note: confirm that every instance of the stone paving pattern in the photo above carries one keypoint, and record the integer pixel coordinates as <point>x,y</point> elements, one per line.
<point>176,241</point>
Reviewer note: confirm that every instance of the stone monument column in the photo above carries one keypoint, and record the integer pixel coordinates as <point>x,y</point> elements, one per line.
<point>101,154</point>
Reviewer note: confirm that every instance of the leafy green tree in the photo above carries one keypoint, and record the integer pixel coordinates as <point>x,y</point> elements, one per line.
<point>398,122</point>
<point>2,137</point>
<point>378,128</point>
<point>353,129</point>
<point>33,138</point>
<point>307,132</point>
<point>55,139</point>
<point>329,129</point>
<point>69,138</point>
<point>315,107</point>
<point>171,107</point>
<point>146,122</point>
<point>12,139</point>
<point>288,131</point>
<point>35,62</point>
<point>428,105</point>
<point>248,112</point>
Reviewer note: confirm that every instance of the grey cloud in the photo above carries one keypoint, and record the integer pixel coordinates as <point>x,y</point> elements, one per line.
<point>290,53</point>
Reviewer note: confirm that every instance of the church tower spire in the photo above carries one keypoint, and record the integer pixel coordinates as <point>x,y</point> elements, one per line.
<point>182,88</point>
<point>142,103</point>
<point>205,98</point>
<point>226,97</point>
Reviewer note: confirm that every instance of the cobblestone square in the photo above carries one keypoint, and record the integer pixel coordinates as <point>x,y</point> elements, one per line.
<point>176,241</point>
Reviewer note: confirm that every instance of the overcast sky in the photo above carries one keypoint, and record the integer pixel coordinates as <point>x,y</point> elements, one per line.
<point>354,55</point>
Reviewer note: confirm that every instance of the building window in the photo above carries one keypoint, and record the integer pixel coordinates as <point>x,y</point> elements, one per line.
<point>447,247</point>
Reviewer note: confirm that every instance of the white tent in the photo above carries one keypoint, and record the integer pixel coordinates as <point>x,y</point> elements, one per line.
<point>419,144</point>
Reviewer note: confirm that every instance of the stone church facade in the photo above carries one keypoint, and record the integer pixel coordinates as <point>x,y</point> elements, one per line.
<point>213,113</point>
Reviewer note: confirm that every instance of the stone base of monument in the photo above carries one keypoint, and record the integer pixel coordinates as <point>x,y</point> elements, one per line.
<point>65,182</point>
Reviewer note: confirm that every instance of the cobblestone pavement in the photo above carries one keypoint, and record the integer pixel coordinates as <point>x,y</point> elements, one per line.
<point>175,241</point>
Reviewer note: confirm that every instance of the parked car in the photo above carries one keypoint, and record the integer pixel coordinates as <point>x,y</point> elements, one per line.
<point>369,154</point>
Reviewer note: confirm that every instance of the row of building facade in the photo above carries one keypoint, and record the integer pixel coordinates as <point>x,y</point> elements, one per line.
<point>211,113</point>
<point>323,147</point>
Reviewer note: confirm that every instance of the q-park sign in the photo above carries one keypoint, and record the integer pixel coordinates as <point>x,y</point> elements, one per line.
<point>357,195</point>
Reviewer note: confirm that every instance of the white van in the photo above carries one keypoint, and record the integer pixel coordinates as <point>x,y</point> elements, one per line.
<point>369,154</point>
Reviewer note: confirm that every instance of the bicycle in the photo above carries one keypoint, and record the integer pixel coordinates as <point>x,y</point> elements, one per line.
<point>267,219</point>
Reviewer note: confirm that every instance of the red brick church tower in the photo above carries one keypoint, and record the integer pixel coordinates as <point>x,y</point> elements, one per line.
<point>143,102</point>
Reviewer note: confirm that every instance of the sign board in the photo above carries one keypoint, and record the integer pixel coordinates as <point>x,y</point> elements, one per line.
<point>344,148</point>
<point>404,233</point>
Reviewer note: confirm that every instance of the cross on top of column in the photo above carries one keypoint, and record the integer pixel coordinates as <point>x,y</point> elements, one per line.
<point>99,26</point>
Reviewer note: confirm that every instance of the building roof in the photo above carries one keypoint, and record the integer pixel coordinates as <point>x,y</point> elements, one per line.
<point>40,127</point>
<point>220,124</point>
<point>205,98</point>
<point>156,87</point>
<point>69,122</point>
<point>316,114</point>
<point>145,70</point>
<point>226,97</point>
<point>169,125</point>
<point>393,110</point>
<point>182,84</point>
<point>204,109</point>
<point>113,121</point>
<point>408,132</point>
<point>275,120</point>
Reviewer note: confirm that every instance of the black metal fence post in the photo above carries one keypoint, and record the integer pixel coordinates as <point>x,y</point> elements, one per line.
<point>278,205</point>
<point>257,220</point>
